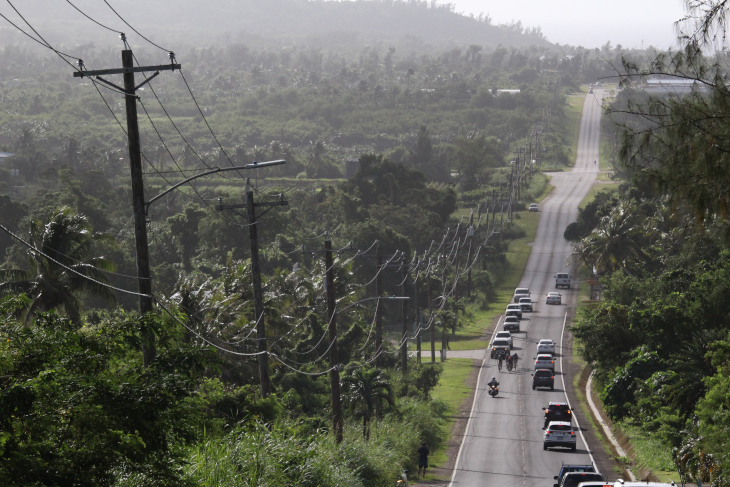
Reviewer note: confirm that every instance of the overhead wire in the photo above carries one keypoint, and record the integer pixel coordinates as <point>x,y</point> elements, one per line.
<point>91,19</point>
<point>135,30</point>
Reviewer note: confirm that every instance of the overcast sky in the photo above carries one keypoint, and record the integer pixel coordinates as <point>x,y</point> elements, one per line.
<point>631,23</point>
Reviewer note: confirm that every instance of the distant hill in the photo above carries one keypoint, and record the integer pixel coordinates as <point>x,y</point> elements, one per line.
<point>174,22</point>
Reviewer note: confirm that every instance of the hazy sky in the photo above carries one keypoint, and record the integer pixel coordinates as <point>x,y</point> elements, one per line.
<point>588,23</point>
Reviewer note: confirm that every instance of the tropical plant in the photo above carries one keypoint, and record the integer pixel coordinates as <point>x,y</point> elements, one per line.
<point>62,264</point>
<point>364,391</point>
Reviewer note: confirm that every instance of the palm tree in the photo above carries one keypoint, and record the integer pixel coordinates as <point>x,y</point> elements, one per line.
<point>364,390</point>
<point>62,265</point>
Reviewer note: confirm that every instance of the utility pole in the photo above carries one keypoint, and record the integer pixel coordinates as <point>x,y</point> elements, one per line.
<point>258,293</point>
<point>444,326</point>
<point>334,357</point>
<point>404,316</point>
<point>135,166</point>
<point>430,312</point>
<point>418,314</point>
<point>378,307</point>
<point>470,236</point>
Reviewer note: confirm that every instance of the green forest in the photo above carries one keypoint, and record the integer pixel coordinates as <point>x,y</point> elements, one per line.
<point>390,147</point>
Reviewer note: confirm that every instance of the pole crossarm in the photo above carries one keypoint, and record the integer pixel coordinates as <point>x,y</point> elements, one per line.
<point>255,165</point>
<point>139,69</point>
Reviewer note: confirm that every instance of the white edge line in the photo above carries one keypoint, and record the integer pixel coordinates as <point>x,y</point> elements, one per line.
<point>473,404</point>
<point>565,391</point>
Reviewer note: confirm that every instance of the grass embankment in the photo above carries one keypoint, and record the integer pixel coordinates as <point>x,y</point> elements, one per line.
<point>574,113</point>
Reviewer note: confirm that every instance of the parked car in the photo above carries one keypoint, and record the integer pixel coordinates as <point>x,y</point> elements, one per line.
<point>543,378</point>
<point>505,335</point>
<point>554,298</point>
<point>514,310</point>
<point>572,468</point>
<point>562,279</point>
<point>533,207</point>
<point>500,346</point>
<point>546,346</point>
<point>520,292</point>
<point>526,304</point>
<point>557,411</point>
<point>574,479</point>
<point>560,433</point>
<point>511,323</point>
<point>544,361</point>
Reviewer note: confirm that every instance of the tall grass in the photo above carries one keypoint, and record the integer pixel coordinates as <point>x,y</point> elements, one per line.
<point>286,454</point>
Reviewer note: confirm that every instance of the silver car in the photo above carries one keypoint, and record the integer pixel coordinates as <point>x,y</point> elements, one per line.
<point>544,361</point>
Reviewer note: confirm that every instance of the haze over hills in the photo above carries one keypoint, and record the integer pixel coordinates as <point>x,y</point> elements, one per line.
<point>327,22</point>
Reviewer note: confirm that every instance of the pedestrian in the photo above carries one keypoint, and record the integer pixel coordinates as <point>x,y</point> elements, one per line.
<point>422,459</point>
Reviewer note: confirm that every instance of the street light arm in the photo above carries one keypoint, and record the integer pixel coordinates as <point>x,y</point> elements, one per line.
<point>255,165</point>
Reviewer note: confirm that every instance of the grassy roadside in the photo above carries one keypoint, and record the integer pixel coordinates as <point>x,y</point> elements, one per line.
<point>598,188</point>
<point>574,113</point>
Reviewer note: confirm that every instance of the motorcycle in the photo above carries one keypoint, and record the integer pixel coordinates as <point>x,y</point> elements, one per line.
<point>493,390</point>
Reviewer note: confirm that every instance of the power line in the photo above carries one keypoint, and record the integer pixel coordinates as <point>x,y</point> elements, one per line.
<point>94,21</point>
<point>135,30</point>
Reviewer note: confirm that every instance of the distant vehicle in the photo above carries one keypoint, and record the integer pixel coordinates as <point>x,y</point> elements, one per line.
<point>622,483</point>
<point>573,479</point>
<point>553,298</point>
<point>500,346</point>
<point>560,433</point>
<point>543,378</point>
<point>597,483</point>
<point>590,92</point>
<point>505,335</point>
<point>572,468</point>
<point>546,346</point>
<point>562,279</point>
<point>511,323</point>
<point>558,411</point>
<point>533,207</point>
<point>544,361</point>
<point>521,292</point>
<point>514,310</point>
<point>526,304</point>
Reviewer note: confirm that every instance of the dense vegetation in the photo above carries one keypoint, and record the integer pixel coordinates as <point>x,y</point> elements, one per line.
<point>420,135</point>
<point>660,338</point>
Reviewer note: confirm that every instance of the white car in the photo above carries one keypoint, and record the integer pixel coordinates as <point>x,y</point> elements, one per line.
<point>505,335</point>
<point>559,433</point>
<point>533,207</point>
<point>554,298</point>
<point>521,292</point>
<point>514,310</point>
<point>546,346</point>
<point>511,323</point>
<point>544,361</point>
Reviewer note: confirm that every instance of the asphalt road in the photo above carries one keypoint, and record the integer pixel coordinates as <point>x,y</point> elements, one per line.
<point>503,441</point>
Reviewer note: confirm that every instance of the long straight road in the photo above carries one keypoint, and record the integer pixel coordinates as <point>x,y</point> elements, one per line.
<point>503,440</point>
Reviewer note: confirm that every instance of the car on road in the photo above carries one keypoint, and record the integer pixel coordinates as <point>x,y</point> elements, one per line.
<point>574,479</point>
<point>543,378</point>
<point>514,310</point>
<point>560,433</point>
<point>554,298</point>
<point>500,346</point>
<point>544,361</point>
<point>567,468</point>
<point>623,483</point>
<point>526,304</point>
<point>558,411</point>
<point>505,335</point>
<point>599,483</point>
<point>511,323</point>
<point>562,279</point>
<point>546,346</point>
<point>533,207</point>
<point>521,292</point>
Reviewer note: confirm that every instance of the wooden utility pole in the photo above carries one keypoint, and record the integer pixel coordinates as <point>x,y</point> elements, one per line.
<point>258,293</point>
<point>470,236</point>
<point>418,314</point>
<point>379,308</point>
<point>404,316</point>
<point>444,326</point>
<point>334,356</point>
<point>430,312</point>
<point>135,166</point>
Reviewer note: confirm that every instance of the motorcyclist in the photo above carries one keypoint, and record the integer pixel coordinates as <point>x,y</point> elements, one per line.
<point>493,382</point>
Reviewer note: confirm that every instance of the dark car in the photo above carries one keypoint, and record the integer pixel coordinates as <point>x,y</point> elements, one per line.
<point>557,411</point>
<point>572,479</point>
<point>543,378</point>
<point>572,468</point>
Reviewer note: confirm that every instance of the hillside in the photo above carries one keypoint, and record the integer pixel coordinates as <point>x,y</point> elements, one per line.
<point>344,23</point>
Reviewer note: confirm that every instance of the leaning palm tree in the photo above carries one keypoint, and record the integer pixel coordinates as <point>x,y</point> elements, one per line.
<point>364,390</point>
<point>62,264</point>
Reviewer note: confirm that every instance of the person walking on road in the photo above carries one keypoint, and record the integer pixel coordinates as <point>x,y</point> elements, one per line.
<point>422,459</point>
